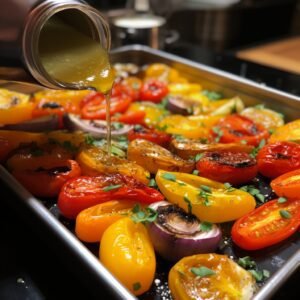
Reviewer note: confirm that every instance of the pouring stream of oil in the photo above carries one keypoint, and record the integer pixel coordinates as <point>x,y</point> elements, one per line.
<point>69,56</point>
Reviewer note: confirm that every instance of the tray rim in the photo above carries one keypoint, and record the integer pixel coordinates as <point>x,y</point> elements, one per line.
<point>82,252</point>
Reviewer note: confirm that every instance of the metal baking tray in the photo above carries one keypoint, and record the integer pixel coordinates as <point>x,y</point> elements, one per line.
<point>281,260</point>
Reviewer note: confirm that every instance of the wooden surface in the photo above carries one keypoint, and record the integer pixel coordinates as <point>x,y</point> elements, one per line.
<point>283,54</point>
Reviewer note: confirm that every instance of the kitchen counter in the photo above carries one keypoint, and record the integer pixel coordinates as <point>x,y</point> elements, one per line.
<point>31,270</point>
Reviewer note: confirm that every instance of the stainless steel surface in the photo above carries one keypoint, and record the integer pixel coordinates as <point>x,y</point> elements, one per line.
<point>211,78</point>
<point>79,252</point>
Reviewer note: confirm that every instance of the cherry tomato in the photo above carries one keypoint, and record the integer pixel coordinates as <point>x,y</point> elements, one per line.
<point>91,97</point>
<point>127,252</point>
<point>93,221</point>
<point>237,128</point>
<point>130,117</point>
<point>83,192</point>
<point>267,225</point>
<point>278,158</point>
<point>47,182</point>
<point>223,278</point>
<point>132,86</point>
<point>287,185</point>
<point>152,135</point>
<point>96,108</point>
<point>153,90</point>
<point>224,166</point>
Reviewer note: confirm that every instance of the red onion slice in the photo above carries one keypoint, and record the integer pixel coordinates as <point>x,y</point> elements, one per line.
<point>176,234</point>
<point>96,128</point>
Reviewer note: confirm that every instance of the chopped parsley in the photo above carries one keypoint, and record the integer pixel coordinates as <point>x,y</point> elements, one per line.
<point>198,156</point>
<point>217,130</point>
<point>206,226</point>
<point>195,172</point>
<point>256,149</point>
<point>111,187</point>
<point>169,176</point>
<point>246,262</point>
<point>260,275</point>
<point>285,214</point>
<point>229,187</point>
<point>89,140</point>
<point>144,216</point>
<point>152,183</point>
<point>281,200</point>
<point>212,95</point>
<point>202,271</point>
<point>205,188</point>
<point>252,190</point>
<point>189,204</point>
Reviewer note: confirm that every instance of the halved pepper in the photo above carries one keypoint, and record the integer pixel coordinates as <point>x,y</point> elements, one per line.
<point>209,200</point>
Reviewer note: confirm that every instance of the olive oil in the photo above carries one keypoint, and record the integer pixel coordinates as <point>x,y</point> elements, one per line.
<point>70,56</point>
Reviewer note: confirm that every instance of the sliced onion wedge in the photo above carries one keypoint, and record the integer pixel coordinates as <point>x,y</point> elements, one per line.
<point>96,128</point>
<point>45,123</point>
<point>176,234</point>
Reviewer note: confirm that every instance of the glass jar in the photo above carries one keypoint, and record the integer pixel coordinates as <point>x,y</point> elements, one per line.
<point>77,14</point>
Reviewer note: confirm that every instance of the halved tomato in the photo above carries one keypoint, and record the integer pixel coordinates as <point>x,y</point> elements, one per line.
<point>224,166</point>
<point>287,185</point>
<point>267,225</point>
<point>278,158</point>
<point>153,90</point>
<point>152,135</point>
<point>84,191</point>
<point>237,128</point>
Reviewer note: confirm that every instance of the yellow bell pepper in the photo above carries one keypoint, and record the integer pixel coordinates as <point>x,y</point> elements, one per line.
<point>193,127</point>
<point>184,88</point>
<point>127,252</point>
<point>288,132</point>
<point>154,113</point>
<point>14,107</point>
<point>95,160</point>
<point>209,200</point>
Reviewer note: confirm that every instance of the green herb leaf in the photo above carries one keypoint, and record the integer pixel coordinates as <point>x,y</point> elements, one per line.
<point>281,200</point>
<point>169,176</point>
<point>152,183</point>
<point>206,226</point>
<point>271,130</point>
<point>256,149</point>
<point>195,172</point>
<point>202,271</point>
<point>111,187</point>
<point>136,286</point>
<point>254,192</point>
<point>266,273</point>
<point>285,214</point>
<point>243,142</point>
<point>89,140</point>
<point>178,137</point>
<point>246,262</point>
<point>217,130</point>
<point>229,187</point>
<point>189,204</point>
<point>198,156</point>
<point>259,106</point>
<point>205,188</point>
<point>258,275</point>
<point>140,215</point>
<point>212,95</point>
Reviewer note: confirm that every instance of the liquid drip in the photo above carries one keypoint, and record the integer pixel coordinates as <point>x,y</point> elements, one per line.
<point>72,57</point>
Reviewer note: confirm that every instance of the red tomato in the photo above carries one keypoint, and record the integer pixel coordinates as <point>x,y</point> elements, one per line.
<point>224,166</point>
<point>48,182</point>
<point>130,86</point>
<point>153,90</point>
<point>267,225</point>
<point>91,97</point>
<point>276,159</point>
<point>83,192</point>
<point>287,185</point>
<point>96,108</point>
<point>152,135</point>
<point>130,117</point>
<point>237,128</point>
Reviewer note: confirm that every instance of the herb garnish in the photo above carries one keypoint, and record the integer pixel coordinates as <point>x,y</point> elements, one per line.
<point>205,192</point>
<point>169,176</point>
<point>212,95</point>
<point>136,286</point>
<point>206,226</point>
<point>202,271</point>
<point>252,190</point>
<point>144,216</point>
<point>217,130</point>
<point>256,149</point>
<point>189,204</point>
<point>281,200</point>
<point>285,214</point>
<point>111,187</point>
<point>229,187</point>
<point>198,156</point>
<point>152,183</point>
